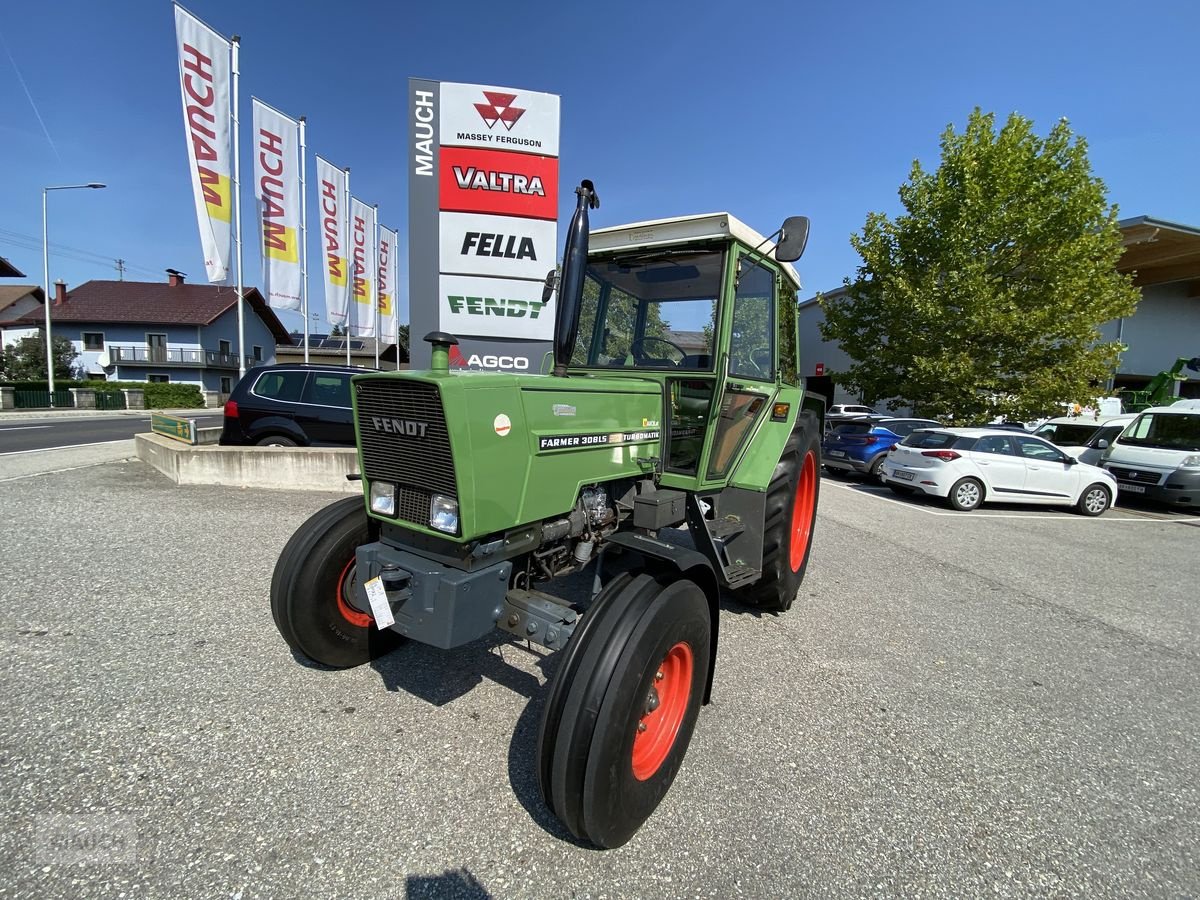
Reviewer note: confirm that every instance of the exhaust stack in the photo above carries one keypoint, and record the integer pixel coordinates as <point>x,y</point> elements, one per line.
<point>570,293</point>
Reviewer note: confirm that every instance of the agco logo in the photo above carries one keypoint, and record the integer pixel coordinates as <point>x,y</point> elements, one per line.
<point>499,108</point>
<point>488,361</point>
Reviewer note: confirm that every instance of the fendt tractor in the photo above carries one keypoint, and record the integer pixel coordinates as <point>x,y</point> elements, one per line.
<point>673,401</point>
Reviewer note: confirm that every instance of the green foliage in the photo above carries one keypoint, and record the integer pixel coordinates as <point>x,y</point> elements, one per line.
<point>984,298</point>
<point>25,360</point>
<point>157,395</point>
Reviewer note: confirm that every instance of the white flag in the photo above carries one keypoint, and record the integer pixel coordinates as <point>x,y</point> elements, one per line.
<point>335,239</point>
<point>204,68</point>
<point>363,270</point>
<point>389,281</point>
<point>277,197</point>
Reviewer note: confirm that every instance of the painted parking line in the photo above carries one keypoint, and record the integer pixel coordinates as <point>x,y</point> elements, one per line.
<point>976,514</point>
<point>22,427</point>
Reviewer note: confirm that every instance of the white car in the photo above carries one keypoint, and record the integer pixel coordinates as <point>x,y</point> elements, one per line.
<point>970,466</point>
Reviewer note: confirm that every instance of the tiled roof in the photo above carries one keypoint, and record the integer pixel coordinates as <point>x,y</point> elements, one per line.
<point>156,303</point>
<point>10,294</point>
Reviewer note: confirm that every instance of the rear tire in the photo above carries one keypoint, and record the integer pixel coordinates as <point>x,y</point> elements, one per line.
<point>312,588</point>
<point>790,520</point>
<point>276,440</point>
<point>875,473</point>
<point>966,494</point>
<point>623,705</point>
<point>1094,500</point>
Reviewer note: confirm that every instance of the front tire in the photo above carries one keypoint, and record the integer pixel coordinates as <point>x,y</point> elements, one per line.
<point>314,585</point>
<point>790,520</point>
<point>966,494</point>
<point>1094,500</point>
<point>623,705</point>
<point>276,440</point>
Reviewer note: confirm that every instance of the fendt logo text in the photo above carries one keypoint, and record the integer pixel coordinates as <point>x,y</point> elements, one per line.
<point>495,306</point>
<point>410,427</point>
<point>499,108</point>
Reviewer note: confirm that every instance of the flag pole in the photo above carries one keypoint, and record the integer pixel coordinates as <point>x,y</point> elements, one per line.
<point>304,232</point>
<point>236,41</point>
<point>375,299</point>
<point>349,280</point>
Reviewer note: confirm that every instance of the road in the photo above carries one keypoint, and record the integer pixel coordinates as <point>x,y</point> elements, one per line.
<point>26,435</point>
<point>957,706</point>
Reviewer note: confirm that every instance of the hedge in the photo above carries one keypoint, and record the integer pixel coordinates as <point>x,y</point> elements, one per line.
<point>158,395</point>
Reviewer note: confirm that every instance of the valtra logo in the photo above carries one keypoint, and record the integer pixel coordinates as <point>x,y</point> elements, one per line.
<point>499,108</point>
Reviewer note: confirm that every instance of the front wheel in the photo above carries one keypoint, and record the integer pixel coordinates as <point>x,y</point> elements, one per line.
<point>789,521</point>
<point>966,494</point>
<point>622,706</point>
<point>1094,501</point>
<point>313,590</point>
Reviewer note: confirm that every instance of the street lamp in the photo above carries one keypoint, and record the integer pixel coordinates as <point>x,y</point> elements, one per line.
<point>46,276</point>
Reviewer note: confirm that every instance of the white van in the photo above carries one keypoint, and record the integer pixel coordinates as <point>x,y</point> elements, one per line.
<point>1084,437</point>
<point>1158,456</point>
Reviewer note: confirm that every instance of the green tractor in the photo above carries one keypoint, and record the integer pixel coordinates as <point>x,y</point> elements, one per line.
<point>673,402</point>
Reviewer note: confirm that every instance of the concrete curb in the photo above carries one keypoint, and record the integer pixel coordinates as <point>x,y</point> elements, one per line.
<point>275,468</point>
<point>7,415</point>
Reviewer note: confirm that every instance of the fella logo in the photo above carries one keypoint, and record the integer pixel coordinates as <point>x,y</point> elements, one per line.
<point>499,108</point>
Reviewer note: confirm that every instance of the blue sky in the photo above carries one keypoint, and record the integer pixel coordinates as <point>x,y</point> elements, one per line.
<point>670,108</point>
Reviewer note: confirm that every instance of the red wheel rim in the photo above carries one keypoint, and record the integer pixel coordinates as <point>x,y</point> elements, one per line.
<point>349,613</point>
<point>802,511</point>
<point>665,707</point>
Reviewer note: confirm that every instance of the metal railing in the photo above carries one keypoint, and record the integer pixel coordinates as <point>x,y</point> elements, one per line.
<point>176,356</point>
<point>41,399</point>
<point>110,400</point>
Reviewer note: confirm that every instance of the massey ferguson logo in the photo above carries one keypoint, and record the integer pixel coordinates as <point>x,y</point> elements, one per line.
<point>410,427</point>
<point>499,108</point>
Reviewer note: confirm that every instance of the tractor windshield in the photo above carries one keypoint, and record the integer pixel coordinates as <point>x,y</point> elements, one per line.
<point>654,309</point>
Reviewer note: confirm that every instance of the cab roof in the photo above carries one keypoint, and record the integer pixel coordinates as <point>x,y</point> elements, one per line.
<point>684,229</point>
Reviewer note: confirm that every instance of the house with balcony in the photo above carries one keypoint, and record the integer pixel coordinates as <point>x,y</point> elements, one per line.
<point>170,332</point>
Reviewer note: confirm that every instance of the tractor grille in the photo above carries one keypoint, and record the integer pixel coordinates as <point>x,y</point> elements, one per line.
<point>402,432</point>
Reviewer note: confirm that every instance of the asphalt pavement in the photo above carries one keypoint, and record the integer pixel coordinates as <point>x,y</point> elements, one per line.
<point>31,433</point>
<point>960,706</point>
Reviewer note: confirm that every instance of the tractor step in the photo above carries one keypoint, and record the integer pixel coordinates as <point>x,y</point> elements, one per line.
<point>723,529</point>
<point>738,576</point>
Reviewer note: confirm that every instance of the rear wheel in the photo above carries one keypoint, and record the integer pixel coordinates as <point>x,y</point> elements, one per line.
<point>276,440</point>
<point>790,517</point>
<point>622,706</point>
<point>313,589</point>
<point>875,473</point>
<point>1094,501</point>
<point>966,494</point>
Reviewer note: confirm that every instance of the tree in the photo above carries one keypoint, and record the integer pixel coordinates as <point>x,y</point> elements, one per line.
<point>337,331</point>
<point>986,296</point>
<point>26,359</point>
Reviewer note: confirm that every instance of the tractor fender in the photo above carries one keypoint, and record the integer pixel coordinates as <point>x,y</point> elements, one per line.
<point>662,557</point>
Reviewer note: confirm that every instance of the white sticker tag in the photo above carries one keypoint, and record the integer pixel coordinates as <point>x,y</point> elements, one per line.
<point>380,608</point>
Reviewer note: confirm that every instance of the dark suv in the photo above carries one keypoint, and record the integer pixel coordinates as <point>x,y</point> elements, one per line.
<point>291,405</point>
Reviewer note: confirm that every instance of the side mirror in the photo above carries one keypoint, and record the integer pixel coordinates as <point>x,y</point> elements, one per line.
<point>550,286</point>
<point>793,237</point>
<point>1070,460</point>
<point>1102,445</point>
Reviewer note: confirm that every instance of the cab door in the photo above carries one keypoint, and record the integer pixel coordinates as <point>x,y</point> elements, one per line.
<point>746,374</point>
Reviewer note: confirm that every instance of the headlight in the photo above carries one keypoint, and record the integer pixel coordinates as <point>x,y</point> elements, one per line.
<point>443,514</point>
<point>383,498</point>
<point>1190,462</point>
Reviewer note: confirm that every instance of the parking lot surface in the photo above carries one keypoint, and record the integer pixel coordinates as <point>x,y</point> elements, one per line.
<point>956,706</point>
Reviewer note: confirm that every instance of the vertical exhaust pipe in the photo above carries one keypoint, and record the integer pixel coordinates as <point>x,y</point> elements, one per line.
<point>570,293</point>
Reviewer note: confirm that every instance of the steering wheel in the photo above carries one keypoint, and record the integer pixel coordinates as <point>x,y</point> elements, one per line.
<point>638,351</point>
<point>760,358</point>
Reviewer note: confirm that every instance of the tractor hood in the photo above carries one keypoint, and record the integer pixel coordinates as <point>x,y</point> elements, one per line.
<point>506,449</point>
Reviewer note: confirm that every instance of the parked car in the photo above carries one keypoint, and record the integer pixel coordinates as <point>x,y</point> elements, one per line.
<point>291,405</point>
<point>970,466</point>
<point>1083,437</point>
<point>842,410</point>
<point>860,445</point>
<point>1157,456</point>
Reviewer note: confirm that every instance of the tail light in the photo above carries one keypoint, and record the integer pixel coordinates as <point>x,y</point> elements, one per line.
<point>943,455</point>
<point>891,448</point>
<point>231,410</point>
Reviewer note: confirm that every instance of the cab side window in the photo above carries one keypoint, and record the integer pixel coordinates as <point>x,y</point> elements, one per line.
<point>994,444</point>
<point>752,341</point>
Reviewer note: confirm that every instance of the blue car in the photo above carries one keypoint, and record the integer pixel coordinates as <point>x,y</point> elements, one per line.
<point>860,445</point>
